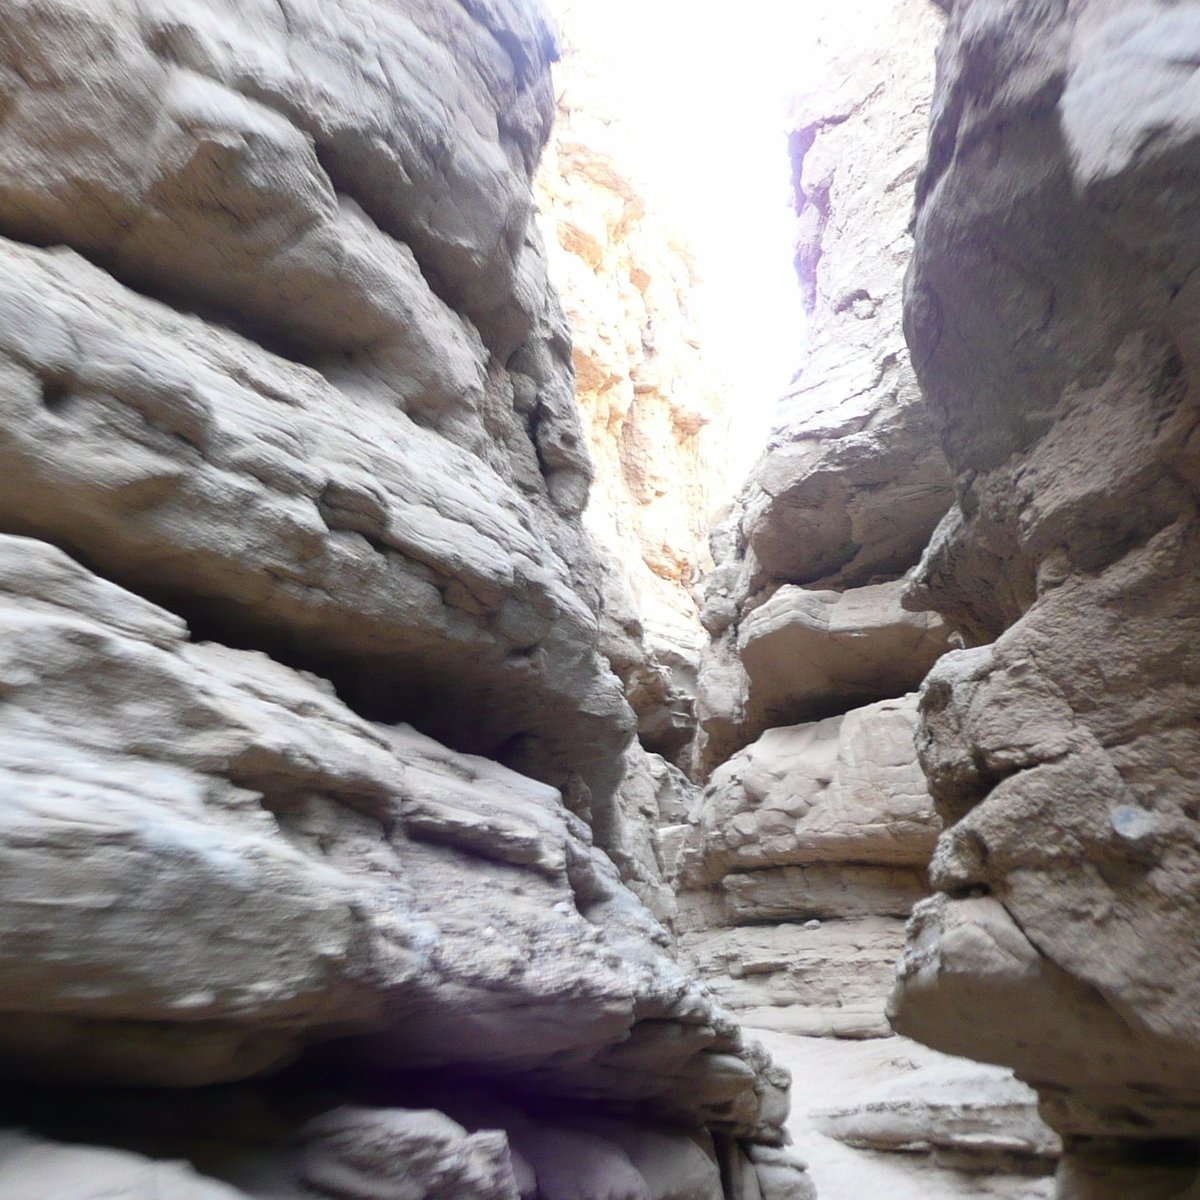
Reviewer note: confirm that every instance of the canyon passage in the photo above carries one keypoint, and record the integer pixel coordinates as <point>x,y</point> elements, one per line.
<point>454,746</point>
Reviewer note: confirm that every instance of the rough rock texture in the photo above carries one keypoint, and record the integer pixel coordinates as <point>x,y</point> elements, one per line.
<point>323,230</point>
<point>1051,310</point>
<point>323,831</point>
<point>843,790</point>
<point>817,978</point>
<point>812,845</point>
<point>656,422</point>
<point>852,482</point>
<point>358,864</point>
<point>804,654</point>
<point>655,411</point>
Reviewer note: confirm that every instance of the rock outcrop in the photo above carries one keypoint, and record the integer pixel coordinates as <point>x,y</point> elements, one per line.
<point>811,841</point>
<point>812,846</point>
<point>323,819</point>
<point>852,482</point>
<point>1050,313</point>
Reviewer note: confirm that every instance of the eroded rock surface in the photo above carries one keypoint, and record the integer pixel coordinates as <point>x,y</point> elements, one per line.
<point>853,480</point>
<point>811,842</point>
<point>803,654</point>
<point>325,830</point>
<point>811,846</point>
<point>1050,310</point>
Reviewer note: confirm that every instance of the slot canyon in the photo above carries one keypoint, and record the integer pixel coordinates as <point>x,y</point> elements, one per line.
<point>457,742</point>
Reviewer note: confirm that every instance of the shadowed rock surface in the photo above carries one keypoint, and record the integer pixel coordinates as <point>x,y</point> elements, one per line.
<point>1050,310</point>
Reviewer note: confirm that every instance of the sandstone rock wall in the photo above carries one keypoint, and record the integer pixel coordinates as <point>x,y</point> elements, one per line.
<point>852,481</point>
<point>1050,312</point>
<point>812,840</point>
<point>656,411</point>
<point>320,788</point>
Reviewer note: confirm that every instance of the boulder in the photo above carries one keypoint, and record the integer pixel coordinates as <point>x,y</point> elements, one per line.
<point>972,1116</point>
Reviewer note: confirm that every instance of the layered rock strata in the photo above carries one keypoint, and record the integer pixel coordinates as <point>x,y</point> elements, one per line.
<point>810,844</point>
<point>1050,313</point>
<point>656,413</point>
<point>322,811</point>
<point>852,481</point>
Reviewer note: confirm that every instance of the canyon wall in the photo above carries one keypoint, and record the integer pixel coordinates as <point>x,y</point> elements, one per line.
<point>656,409</point>
<point>322,798</point>
<point>812,839</point>
<point>816,825</point>
<point>1049,311</point>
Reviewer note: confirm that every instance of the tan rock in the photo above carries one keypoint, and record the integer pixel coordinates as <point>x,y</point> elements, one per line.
<point>819,978</point>
<point>842,790</point>
<point>655,409</point>
<point>802,654</point>
<point>852,482</point>
<point>845,1075</point>
<point>822,890</point>
<point>290,457</point>
<point>187,462</point>
<point>976,1117</point>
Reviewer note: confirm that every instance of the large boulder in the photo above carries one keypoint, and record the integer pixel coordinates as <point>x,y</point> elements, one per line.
<point>844,790</point>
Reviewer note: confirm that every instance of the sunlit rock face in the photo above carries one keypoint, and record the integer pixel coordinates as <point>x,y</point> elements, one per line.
<point>1051,311</point>
<point>314,761</point>
<point>655,409</point>
<point>852,481</point>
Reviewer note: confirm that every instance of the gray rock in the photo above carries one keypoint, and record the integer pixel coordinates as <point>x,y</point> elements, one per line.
<point>842,790</point>
<point>976,1117</point>
<point>1051,312</point>
<point>187,462</point>
<point>397,1154</point>
<point>802,654</point>
<point>329,877</point>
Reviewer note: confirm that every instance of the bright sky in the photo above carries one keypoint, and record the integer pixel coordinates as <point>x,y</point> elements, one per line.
<point>701,91</point>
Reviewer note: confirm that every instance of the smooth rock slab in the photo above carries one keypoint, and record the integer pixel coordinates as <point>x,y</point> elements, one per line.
<point>967,1113</point>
